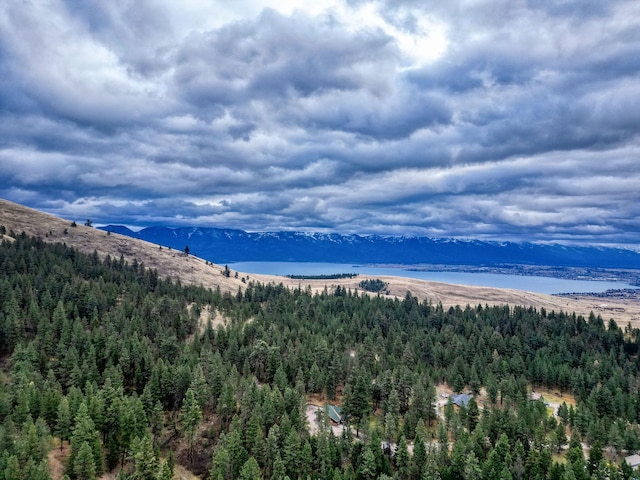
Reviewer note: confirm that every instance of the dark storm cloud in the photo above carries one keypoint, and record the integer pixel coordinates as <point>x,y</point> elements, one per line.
<point>274,57</point>
<point>488,119</point>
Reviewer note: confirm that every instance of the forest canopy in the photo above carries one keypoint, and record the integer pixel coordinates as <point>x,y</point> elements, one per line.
<point>127,372</point>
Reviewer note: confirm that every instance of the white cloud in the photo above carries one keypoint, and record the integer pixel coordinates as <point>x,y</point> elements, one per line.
<point>499,119</point>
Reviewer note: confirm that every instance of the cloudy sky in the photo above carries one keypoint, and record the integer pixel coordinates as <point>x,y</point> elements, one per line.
<point>492,119</point>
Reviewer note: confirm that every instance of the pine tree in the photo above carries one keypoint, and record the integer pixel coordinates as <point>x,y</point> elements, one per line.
<point>559,437</point>
<point>166,468</point>
<point>126,430</point>
<point>156,421</point>
<point>226,403</point>
<point>84,432</point>
<point>12,470</point>
<point>63,425</point>
<point>472,469</point>
<point>237,452</point>
<point>221,463</point>
<point>402,459</point>
<point>419,457</point>
<point>84,466</point>
<point>199,386</point>
<point>250,470</point>
<point>253,434</point>
<point>473,414</point>
<point>368,468</point>
<point>146,465</point>
<point>278,470</point>
<point>392,416</point>
<point>595,457</point>
<point>430,470</point>
<point>497,459</point>
<point>190,418</point>
<point>290,452</point>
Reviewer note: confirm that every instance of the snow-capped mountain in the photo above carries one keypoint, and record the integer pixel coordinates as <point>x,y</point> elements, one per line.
<point>226,245</point>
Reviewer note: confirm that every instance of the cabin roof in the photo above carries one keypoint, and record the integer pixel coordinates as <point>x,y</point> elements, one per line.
<point>461,400</point>
<point>633,461</point>
<point>334,412</point>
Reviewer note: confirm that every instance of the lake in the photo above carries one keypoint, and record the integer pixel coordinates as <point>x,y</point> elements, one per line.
<point>536,284</point>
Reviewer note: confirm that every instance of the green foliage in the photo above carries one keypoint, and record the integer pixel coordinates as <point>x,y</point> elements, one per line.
<point>190,418</point>
<point>145,462</point>
<point>374,285</point>
<point>63,425</point>
<point>368,469</point>
<point>84,466</point>
<point>250,470</point>
<point>106,354</point>
<point>86,450</point>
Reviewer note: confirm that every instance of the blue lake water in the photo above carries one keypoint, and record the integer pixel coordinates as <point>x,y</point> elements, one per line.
<point>536,284</point>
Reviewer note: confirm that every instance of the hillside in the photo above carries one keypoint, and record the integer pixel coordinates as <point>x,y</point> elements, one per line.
<point>168,262</point>
<point>193,270</point>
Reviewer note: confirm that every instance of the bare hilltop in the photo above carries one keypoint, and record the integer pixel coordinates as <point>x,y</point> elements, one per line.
<point>193,270</point>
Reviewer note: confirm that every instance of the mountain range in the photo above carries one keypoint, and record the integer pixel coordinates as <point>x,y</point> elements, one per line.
<point>227,245</point>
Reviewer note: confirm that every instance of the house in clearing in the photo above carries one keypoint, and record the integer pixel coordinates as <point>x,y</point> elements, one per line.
<point>461,400</point>
<point>335,414</point>
<point>633,461</point>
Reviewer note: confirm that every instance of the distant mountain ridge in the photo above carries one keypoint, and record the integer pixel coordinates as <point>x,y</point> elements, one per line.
<point>226,245</point>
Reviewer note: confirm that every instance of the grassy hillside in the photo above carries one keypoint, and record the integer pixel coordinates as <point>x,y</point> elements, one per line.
<point>168,263</point>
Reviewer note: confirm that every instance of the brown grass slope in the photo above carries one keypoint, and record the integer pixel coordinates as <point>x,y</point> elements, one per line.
<point>168,263</point>
<point>193,270</point>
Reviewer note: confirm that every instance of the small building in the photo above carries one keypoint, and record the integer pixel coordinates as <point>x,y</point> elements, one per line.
<point>633,461</point>
<point>335,414</point>
<point>461,400</point>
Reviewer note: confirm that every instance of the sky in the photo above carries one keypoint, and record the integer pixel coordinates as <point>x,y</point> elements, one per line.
<point>496,120</point>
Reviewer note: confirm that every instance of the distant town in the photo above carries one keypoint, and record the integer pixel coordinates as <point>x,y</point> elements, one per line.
<point>630,276</point>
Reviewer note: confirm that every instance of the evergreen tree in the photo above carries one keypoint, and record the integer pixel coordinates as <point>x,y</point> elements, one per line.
<point>190,418</point>
<point>402,460</point>
<point>596,455</point>
<point>12,470</point>
<point>84,432</point>
<point>473,414</point>
<point>237,453</point>
<point>226,403</point>
<point>250,470</point>
<point>63,424</point>
<point>84,466</point>
<point>559,437</point>
<point>166,468</point>
<point>290,452</point>
<point>278,471</point>
<point>221,464</point>
<point>472,469</point>
<point>419,459</point>
<point>146,464</point>
<point>368,469</point>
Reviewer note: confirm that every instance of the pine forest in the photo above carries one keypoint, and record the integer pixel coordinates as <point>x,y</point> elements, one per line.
<point>109,371</point>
